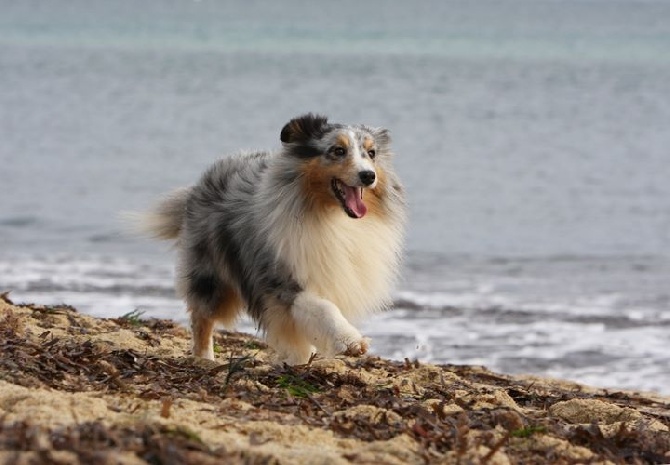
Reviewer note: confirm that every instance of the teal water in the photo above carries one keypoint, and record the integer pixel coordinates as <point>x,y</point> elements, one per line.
<point>572,30</point>
<point>532,137</point>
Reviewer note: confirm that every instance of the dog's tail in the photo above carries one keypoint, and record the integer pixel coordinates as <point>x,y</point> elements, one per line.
<point>165,220</point>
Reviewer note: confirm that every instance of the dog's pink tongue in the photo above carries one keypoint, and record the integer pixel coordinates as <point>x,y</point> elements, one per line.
<point>353,197</point>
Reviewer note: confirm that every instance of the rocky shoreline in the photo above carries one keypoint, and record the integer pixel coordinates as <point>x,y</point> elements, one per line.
<point>78,389</point>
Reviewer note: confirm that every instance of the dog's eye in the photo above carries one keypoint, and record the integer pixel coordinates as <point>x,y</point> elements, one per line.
<point>372,153</point>
<point>339,151</point>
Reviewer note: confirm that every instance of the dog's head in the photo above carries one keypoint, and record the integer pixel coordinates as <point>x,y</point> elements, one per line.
<point>338,163</point>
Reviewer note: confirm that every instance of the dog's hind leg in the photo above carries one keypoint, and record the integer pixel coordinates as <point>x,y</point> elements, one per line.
<point>202,327</point>
<point>229,308</point>
<point>205,314</point>
<point>322,323</point>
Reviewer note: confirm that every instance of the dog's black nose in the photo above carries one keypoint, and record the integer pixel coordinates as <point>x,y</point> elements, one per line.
<point>367,177</point>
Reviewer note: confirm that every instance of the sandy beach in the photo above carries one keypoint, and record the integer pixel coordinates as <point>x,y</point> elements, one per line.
<point>78,389</point>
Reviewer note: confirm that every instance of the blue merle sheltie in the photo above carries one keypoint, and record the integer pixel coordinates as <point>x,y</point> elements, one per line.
<point>306,239</point>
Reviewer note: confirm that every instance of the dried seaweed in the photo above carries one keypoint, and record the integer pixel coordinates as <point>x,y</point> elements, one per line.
<point>159,445</point>
<point>641,445</point>
<point>311,395</point>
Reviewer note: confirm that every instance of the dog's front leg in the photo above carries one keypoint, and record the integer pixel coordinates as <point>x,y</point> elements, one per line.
<point>324,326</point>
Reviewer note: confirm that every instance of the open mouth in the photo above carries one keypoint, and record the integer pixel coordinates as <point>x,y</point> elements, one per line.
<point>351,198</point>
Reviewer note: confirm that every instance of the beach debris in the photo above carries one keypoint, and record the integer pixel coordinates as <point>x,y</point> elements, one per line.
<point>124,389</point>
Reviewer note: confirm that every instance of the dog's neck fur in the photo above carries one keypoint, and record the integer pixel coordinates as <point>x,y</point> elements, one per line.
<point>351,262</point>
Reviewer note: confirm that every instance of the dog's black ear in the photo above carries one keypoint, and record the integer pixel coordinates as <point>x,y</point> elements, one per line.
<point>304,128</point>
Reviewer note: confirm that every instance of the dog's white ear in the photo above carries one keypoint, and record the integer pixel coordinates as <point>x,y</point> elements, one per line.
<point>303,128</point>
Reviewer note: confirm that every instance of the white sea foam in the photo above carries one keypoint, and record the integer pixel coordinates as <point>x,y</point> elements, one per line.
<point>590,339</point>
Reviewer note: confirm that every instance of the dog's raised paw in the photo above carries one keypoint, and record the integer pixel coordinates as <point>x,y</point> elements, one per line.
<point>357,348</point>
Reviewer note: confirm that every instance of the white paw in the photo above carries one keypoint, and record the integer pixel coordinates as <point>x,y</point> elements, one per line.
<point>351,346</point>
<point>295,357</point>
<point>358,348</point>
<point>322,322</point>
<point>206,353</point>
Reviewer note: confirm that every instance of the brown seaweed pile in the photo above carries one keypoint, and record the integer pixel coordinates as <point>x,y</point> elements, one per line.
<point>76,389</point>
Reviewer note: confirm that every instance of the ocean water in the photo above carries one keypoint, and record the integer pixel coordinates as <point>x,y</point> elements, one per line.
<point>533,138</point>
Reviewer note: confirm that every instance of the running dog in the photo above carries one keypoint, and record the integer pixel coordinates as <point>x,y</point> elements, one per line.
<point>308,239</point>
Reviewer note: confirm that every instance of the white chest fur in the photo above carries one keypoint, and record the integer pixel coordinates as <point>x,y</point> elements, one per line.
<point>351,262</point>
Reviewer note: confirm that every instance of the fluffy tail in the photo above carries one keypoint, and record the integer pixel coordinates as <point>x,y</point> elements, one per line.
<point>166,219</point>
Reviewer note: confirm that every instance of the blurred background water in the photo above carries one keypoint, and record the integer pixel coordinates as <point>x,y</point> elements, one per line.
<point>533,138</point>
